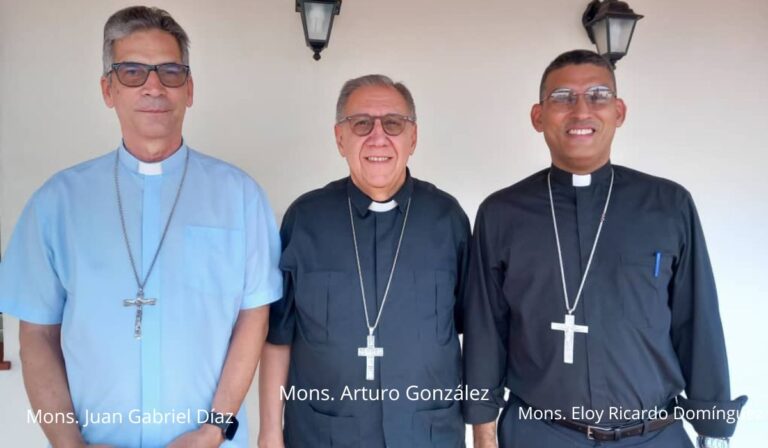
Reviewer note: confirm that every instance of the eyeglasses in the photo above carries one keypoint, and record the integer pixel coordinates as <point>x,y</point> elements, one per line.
<point>362,124</point>
<point>596,96</point>
<point>135,74</point>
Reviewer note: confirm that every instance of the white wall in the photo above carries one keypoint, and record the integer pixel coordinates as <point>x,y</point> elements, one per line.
<point>695,82</point>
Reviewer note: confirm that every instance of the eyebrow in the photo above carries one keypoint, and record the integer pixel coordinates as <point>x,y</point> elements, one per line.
<point>568,89</point>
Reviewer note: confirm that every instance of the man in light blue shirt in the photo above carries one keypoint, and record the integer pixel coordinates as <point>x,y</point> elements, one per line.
<point>140,277</point>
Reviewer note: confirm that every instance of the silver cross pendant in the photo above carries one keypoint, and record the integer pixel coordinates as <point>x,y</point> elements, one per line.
<point>139,303</point>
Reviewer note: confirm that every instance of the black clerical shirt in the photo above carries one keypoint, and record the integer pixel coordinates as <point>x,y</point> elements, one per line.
<point>649,300</point>
<point>321,316</point>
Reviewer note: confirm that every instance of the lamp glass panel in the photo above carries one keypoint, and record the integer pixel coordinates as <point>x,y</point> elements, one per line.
<point>600,31</point>
<point>621,32</point>
<point>318,19</point>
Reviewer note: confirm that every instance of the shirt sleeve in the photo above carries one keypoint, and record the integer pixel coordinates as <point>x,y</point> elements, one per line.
<point>462,269</point>
<point>30,287</point>
<point>697,335</point>
<point>486,320</point>
<point>282,314</point>
<point>263,282</point>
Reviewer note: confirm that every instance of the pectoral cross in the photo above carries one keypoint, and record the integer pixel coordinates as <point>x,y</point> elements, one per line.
<point>569,328</point>
<point>370,353</point>
<point>139,303</point>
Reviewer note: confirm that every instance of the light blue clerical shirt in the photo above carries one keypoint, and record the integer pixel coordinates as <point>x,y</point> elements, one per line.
<point>67,264</point>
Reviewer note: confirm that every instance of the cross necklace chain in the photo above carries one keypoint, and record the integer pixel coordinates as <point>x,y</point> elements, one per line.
<point>370,352</point>
<point>569,327</point>
<point>140,301</point>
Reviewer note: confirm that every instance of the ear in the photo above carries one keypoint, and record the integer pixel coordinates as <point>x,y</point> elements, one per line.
<point>414,138</point>
<point>190,90</point>
<point>339,140</point>
<point>621,112</point>
<point>536,117</point>
<point>106,93</point>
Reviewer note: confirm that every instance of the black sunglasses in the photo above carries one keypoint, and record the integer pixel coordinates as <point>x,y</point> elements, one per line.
<point>135,74</point>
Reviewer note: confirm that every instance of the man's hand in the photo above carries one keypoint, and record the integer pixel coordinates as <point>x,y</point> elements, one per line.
<point>485,435</point>
<point>45,377</point>
<point>268,439</point>
<point>207,436</point>
<point>275,362</point>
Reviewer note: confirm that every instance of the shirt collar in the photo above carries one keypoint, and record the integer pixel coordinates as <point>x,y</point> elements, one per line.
<point>168,165</point>
<point>602,174</point>
<point>361,201</point>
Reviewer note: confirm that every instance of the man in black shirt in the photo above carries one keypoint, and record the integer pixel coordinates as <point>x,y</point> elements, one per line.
<point>374,264</point>
<point>590,294</point>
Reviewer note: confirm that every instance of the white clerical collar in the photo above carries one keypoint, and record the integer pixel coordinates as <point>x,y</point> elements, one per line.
<point>379,207</point>
<point>169,165</point>
<point>150,169</point>
<point>582,180</point>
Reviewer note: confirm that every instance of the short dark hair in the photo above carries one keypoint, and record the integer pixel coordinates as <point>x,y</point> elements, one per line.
<point>576,57</point>
<point>141,18</point>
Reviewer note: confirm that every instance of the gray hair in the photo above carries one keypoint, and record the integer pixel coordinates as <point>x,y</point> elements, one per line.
<point>372,81</point>
<point>141,18</point>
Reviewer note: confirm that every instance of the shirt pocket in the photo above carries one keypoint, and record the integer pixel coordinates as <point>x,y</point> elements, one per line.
<point>436,301</point>
<point>439,428</point>
<point>311,296</point>
<point>343,432</point>
<point>214,260</point>
<point>307,426</point>
<point>643,288</point>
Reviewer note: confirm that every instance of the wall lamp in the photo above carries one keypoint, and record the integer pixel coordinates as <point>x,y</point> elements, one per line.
<point>317,20</point>
<point>610,25</point>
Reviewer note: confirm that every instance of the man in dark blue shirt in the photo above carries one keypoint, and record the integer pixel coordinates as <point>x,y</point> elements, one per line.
<point>590,293</point>
<point>363,348</point>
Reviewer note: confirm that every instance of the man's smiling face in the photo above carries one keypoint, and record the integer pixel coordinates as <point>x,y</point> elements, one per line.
<point>151,111</point>
<point>579,136</point>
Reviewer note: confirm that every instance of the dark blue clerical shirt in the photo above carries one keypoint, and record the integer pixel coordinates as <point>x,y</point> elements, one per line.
<point>321,316</point>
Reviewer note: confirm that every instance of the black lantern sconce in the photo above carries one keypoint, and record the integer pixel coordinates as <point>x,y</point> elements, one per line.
<point>610,25</point>
<point>317,20</point>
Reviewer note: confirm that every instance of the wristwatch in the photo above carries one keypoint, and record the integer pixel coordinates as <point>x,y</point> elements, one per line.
<point>226,422</point>
<point>712,442</point>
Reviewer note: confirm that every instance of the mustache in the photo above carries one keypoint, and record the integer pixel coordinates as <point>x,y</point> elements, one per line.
<point>583,124</point>
<point>153,104</point>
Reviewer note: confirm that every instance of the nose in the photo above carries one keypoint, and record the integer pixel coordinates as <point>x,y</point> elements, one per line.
<point>153,86</point>
<point>581,107</point>
<point>377,133</point>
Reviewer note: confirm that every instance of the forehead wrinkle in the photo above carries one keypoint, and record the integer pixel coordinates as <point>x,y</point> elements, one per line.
<point>377,99</point>
<point>147,46</point>
<point>578,76</point>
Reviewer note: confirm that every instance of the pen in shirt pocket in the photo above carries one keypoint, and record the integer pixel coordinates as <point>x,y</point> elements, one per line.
<point>658,264</point>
